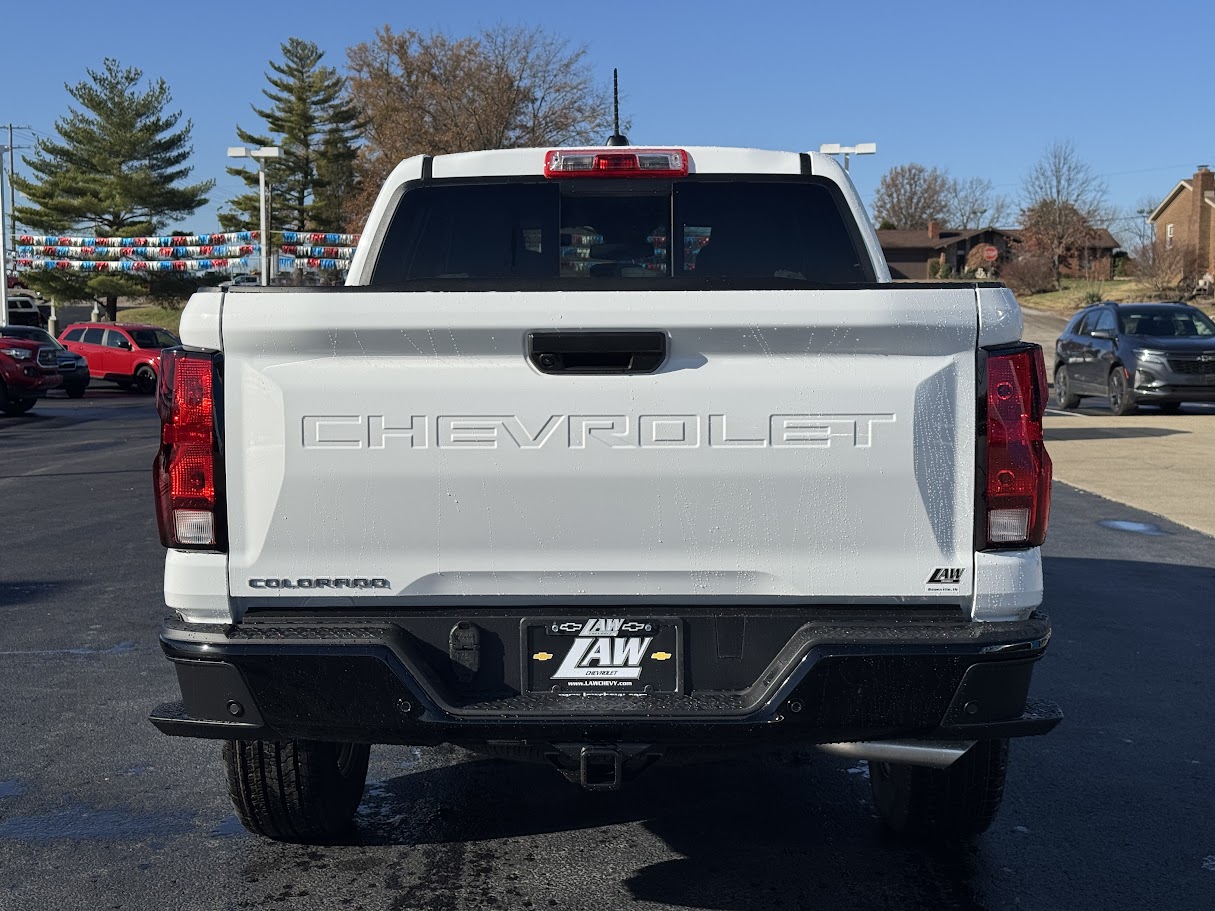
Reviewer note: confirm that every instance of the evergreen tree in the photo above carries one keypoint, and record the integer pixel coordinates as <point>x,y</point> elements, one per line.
<point>117,169</point>
<point>317,130</point>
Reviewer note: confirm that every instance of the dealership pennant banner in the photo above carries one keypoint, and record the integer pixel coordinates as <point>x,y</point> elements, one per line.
<point>220,251</point>
<point>288,263</point>
<point>303,237</point>
<point>138,265</point>
<point>175,240</point>
<point>318,252</point>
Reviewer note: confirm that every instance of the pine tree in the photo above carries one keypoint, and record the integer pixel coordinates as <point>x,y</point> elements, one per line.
<point>117,169</point>
<point>317,130</point>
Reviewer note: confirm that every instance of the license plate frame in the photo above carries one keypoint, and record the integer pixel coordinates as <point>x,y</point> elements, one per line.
<point>566,654</point>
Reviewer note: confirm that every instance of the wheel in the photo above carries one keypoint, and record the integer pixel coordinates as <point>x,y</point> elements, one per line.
<point>75,391</point>
<point>948,804</point>
<point>303,791</point>
<point>145,380</point>
<point>12,406</point>
<point>1063,390</point>
<point>1169,407</point>
<point>1121,400</point>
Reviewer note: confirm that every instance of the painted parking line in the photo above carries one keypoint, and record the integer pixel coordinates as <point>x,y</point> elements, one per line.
<point>1067,414</point>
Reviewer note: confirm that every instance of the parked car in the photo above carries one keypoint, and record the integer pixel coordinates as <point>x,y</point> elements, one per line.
<point>1132,354</point>
<point>27,371</point>
<point>23,311</point>
<point>127,354</point>
<point>72,366</point>
<point>239,280</point>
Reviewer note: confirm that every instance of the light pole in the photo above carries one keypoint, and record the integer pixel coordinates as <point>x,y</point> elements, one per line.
<point>861,148</point>
<point>260,156</point>
<point>3,245</point>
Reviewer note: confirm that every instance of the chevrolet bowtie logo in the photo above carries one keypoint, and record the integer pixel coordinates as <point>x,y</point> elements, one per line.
<point>543,656</point>
<point>661,656</point>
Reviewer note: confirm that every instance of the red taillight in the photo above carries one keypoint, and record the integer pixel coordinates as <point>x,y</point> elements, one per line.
<point>1018,467</point>
<point>617,163</point>
<point>189,468</point>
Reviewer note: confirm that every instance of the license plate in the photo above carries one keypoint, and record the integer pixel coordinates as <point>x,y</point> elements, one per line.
<point>601,655</point>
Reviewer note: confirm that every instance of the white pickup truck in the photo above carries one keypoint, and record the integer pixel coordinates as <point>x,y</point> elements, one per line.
<point>603,455</point>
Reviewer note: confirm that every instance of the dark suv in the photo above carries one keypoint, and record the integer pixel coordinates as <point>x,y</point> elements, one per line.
<point>1160,354</point>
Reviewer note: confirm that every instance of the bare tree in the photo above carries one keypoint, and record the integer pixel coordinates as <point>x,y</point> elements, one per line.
<point>507,87</point>
<point>972,203</point>
<point>1133,222</point>
<point>910,196</point>
<point>1062,201</point>
<point>1167,271</point>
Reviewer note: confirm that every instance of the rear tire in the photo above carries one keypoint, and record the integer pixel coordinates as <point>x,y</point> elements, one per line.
<point>951,804</point>
<point>145,380</point>
<point>1063,390</point>
<point>302,791</point>
<point>1122,402</point>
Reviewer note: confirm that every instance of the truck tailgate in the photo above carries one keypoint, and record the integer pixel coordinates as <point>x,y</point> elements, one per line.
<point>808,445</point>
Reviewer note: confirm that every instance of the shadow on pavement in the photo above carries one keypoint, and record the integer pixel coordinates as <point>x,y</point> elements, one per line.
<point>776,832</point>
<point>25,591</point>
<point>1063,434</point>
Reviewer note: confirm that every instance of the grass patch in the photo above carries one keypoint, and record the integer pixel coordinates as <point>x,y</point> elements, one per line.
<point>1077,293</point>
<point>154,316</point>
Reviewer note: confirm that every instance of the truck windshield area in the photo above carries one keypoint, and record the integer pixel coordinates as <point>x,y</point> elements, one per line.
<point>631,231</point>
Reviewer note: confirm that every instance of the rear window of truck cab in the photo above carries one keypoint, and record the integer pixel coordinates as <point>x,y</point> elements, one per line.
<point>626,233</point>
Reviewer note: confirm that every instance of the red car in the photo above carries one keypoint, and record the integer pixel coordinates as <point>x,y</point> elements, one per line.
<point>125,353</point>
<point>27,371</point>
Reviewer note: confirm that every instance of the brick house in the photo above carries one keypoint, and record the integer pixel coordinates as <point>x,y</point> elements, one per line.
<point>1184,218</point>
<point>1094,259</point>
<point>909,253</point>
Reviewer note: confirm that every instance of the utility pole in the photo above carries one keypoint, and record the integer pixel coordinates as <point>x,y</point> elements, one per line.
<point>3,253</point>
<point>12,169</point>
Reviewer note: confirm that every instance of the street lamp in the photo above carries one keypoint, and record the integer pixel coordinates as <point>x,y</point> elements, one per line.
<point>861,148</point>
<point>260,156</point>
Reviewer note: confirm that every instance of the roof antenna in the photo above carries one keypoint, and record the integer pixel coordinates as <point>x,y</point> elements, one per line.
<point>616,139</point>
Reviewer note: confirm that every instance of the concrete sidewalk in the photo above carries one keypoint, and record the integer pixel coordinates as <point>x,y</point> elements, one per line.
<point>1164,464</point>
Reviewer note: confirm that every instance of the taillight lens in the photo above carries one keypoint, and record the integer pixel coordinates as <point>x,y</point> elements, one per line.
<point>1018,466</point>
<point>619,162</point>
<point>188,472</point>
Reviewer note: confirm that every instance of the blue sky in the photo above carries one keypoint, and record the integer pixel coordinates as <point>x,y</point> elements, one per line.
<point>979,89</point>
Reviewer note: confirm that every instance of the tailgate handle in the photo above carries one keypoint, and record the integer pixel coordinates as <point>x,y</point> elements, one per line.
<point>597,352</point>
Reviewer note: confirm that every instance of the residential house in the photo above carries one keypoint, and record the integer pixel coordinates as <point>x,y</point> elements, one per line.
<point>910,253</point>
<point>1094,259</point>
<point>1184,219</point>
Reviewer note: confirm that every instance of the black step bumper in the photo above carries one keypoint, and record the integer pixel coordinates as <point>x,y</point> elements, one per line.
<point>803,677</point>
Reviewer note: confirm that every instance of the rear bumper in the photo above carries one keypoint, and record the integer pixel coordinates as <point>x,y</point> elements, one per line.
<point>835,678</point>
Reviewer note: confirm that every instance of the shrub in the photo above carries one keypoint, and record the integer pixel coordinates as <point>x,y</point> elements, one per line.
<point>1030,273</point>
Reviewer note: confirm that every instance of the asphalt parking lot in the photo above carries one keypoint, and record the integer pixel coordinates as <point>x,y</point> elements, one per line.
<point>97,810</point>
<point>1155,462</point>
